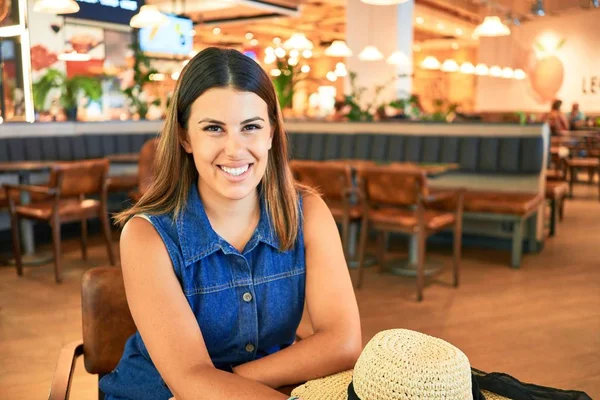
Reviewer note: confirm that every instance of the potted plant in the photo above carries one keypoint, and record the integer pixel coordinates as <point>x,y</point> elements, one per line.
<point>69,87</point>
<point>141,75</point>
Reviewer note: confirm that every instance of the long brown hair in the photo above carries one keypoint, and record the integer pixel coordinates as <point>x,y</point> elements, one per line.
<point>175,171</point>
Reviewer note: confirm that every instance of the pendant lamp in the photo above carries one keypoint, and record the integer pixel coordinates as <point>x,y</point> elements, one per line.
<point>56,6</point>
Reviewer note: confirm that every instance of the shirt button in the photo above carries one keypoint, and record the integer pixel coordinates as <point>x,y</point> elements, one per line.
<point>249,347</point>
<point>247,297</point>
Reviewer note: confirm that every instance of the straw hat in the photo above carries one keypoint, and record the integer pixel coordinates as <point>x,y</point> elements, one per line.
<point>400,364</point>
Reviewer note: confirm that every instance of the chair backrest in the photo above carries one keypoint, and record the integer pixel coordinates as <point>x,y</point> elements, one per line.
<point>392,185</point>
<point>76,178</point>
<point>107,322</point>
<point>329,178</point>
<point>146,165</point>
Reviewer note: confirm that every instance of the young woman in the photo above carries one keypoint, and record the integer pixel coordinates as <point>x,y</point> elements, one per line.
<point>221,256</point>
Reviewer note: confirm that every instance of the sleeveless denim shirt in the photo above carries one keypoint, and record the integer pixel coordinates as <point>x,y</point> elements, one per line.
<point>248,305</point>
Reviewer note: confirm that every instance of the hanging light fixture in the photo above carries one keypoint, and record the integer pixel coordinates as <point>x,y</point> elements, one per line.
<point>384,2</point>
<point>495,71</point>
<point>370,53</point>
<point>147,17</point>
<point>298,41</point>
<point>56,6</point>
<point>519,74</point>
<point>450,66</point>
<point>430,62</point>
<point>338,48</point>
<point>491,26</point>
<point>482,70</point>
<point>508,73</point>
<point>340,69</point>
<point>467,68</point>
<point>397,58</point>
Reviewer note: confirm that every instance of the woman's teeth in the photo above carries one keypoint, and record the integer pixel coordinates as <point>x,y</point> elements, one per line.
<point>236,171</point>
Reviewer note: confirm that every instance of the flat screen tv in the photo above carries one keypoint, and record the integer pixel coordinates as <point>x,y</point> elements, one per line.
<point>171,39</point>
<point>113,11</point>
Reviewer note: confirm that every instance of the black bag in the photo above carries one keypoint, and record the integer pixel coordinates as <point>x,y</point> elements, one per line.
<point>507,386</point>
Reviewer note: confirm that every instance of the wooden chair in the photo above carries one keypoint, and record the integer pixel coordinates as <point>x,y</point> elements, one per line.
<point>145,169</point>
<point>591,163</point>
<point>107,324</point>
<point>397,200</point>
<point>334,181</point>
<point>69,185</point>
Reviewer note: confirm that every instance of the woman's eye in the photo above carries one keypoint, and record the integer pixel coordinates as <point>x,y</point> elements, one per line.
<point>252,127</point>
<point>213,128</point>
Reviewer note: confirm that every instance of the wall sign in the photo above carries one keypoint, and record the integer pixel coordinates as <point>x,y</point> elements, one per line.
<point>113,11</point>
<point>591,85</point>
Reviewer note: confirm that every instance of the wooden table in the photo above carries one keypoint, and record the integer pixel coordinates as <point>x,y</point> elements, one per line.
<point>125,158</point>
<point>24,169</point>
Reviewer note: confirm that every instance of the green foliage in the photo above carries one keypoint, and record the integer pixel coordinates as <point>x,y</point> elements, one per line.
<point>141,76</point>
<point>354,100</point>
<point>70,89</point>
<point>284,83</point>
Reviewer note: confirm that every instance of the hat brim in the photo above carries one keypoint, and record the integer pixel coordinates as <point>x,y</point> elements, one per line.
<point>334,387</point>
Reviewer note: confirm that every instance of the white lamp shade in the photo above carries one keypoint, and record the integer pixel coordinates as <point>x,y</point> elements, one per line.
<point>467,68</point>
<point>520,74</point>
<point>340,69</point>
<point>430,62</point>
<point>298,41</point>
<point>370,53</point>
<point>491,26</point>
<point>147,17</point>
<point>482,70</point>
<point>398,58</point>
<point>338,48</point>
<point>384,2</point>
<point>508,73</point>
<point>495,71</point>
<point>56,6</point>
<point>449,66</point>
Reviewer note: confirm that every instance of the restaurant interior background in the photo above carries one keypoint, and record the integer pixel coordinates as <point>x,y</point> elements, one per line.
<point>428,50</point>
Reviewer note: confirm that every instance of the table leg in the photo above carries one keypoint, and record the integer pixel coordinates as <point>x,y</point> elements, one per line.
<point>27,237</point>
<point>408,267</point>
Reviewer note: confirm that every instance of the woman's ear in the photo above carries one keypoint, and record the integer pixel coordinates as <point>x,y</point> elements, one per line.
<point>185,141</point>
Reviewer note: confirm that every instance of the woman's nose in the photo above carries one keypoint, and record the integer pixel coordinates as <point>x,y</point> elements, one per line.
<point>234,145</point>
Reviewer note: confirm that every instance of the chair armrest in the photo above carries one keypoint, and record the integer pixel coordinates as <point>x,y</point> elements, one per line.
<point>61,383</point>
<point>31,188</point>
<point>448,200</point>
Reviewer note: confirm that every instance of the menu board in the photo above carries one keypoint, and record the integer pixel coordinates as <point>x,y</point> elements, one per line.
<point>171,39</point>
<point>113,11</point>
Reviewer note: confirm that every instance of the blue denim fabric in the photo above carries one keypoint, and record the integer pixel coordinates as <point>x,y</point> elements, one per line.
<point>248,305</point>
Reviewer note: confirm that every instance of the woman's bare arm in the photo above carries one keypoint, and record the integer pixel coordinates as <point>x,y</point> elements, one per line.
<point>168,326</point>
<point>336,342</point>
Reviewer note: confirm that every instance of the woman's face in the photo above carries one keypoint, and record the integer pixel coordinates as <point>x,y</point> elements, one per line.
<point>230,136</point>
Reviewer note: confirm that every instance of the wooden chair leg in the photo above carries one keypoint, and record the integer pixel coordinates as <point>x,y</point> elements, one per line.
<point>457,253</point>
<point>56,247</point>
<point>345,237</point>
<point>84,234</point>
<point>364,232</point>
<point>107,236</point>
<point>572,173</point>
<point>16,243</point>
<point>553,213</point>
<point>517,244</point>
<point>420,264</point>
<point>381,249</point>
<point>561,208</point>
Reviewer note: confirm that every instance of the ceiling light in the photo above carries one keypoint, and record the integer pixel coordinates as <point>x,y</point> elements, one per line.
<point>467,68</point>
<point>279,52</point>
<point>249,36</point>
<point>416,48</point>
<point>270,58</point>
<point>298,41</point>
<point>277,40</point>
<point>292,61</point>
<point>430,62</point>
<point>307,53</point>
<point>338,48</point>
<point>420,20</point>
<point>275,72</point>
<point>491,26</point>
<point>519,74</point>
<point>331,76</point>
<point>56,6</point>
<point>158,77</point>
<point>305,69</point>
<point>74,56</point>
<point>294,53</point>
<point>148,16</point>
<point>216,31</point>
<point>495,71</point>
<point>440,26</point>
<point>454,46</point>
<point>254,42</point>
<point>397,58</point>
<point>450,66</point>
<point>175,75</point>
<point>269,50</point>
<point>370,53</point>
<point>383,2</point>
<point>340,69</point>
<point>482,70</point>
<point>459,32</point>
<point>508,73</point>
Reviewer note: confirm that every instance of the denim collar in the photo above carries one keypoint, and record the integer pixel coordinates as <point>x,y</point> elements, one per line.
<point>198,239</point>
